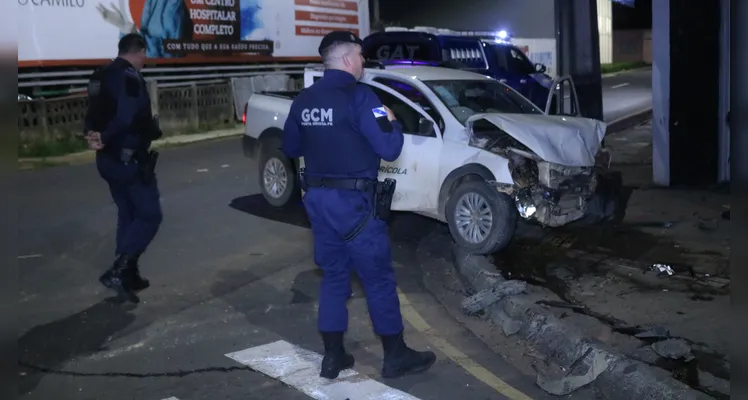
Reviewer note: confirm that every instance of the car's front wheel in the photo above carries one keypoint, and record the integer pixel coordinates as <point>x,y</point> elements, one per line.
<point>481,220</point>
<point>277,177</point>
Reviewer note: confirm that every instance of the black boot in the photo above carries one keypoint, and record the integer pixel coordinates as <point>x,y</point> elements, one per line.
<point>401,360</point>
<point>119,278</point>
<point>138,283</point>
<point>336,359</point>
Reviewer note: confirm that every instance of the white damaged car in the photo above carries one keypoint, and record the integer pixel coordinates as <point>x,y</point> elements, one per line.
<point>477,154</point>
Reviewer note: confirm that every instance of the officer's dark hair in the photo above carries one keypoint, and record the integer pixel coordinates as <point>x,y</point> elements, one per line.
<point>327,53</point>
<point>131,43</point>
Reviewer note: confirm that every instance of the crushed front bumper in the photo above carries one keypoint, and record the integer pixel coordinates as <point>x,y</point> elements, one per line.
<point>554,195</point>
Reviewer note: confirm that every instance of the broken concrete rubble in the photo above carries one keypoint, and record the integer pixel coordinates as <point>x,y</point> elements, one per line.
<point>674,349</point>
<point>616,377</point>
<point>582,373</point>
<point>479,301</point>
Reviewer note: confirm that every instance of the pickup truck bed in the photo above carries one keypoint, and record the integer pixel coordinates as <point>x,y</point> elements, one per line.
<point>286,94</point>
<point>265,112</point>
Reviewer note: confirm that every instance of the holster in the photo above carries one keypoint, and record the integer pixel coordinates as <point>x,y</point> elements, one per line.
<point>302,179</point>
<point>383,199</point>
<point>147,161</point>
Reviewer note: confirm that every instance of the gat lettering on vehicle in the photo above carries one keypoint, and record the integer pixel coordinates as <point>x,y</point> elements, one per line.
<point>487,53</point>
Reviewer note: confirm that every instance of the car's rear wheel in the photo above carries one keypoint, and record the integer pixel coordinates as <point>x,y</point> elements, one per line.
<point>277,177</point>
<point>481,220</point>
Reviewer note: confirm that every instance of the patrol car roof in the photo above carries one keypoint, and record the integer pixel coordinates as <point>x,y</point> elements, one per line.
<point>426,73</point>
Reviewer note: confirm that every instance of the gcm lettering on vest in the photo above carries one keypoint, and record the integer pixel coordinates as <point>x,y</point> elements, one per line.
<point>316,117</point>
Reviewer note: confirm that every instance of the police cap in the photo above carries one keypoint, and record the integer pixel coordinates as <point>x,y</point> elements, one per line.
<point>339,36</point>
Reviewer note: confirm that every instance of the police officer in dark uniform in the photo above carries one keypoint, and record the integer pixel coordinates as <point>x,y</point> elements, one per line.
<point>343,132</point>
<point>120,126</point>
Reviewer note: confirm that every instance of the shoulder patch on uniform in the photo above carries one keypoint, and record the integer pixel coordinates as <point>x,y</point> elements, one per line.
<point>379,112</point>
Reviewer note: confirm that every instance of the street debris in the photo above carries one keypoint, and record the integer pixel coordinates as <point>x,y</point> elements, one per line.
<point>481,300</point>
<point>509,325</point>
<point>583,372</point>
<point>662,269</point>
<point>657,332</point>
<point>708,224</point>
<point>560,304</point>
<point>561,273</point>
<point>674,349</point>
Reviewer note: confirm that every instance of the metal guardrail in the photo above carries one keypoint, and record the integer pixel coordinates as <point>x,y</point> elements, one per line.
<point>182,74</point>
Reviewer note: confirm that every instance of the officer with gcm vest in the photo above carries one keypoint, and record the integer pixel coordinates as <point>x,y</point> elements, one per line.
<point>119,125</point>
<point>343,132</point>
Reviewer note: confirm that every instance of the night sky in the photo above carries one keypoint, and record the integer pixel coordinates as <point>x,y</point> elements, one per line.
<point>624,17</point>
<point>638,17</point>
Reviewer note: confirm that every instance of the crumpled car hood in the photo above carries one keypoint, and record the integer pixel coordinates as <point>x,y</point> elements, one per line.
<point>569,141</point>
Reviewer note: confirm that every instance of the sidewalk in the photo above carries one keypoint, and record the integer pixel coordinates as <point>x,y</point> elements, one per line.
<point>661,274</point>
<point>630,311</point>
<point>88,155</point>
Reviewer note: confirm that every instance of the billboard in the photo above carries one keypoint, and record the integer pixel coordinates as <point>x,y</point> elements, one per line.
<point>77,32</point>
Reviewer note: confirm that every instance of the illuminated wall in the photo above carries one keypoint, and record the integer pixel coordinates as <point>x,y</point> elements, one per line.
<point>605,28</point>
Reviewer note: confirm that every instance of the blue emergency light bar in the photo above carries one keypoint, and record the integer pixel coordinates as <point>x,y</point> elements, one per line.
<point>627,3</point>
<point>409,62</point>
<point>380,64</point>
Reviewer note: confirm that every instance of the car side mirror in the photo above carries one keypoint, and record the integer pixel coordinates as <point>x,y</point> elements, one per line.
<point>425,126</point>
<point>540,68</point>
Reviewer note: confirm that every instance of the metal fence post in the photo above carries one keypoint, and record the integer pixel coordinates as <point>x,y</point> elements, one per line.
<point>194,117</point>
<point>153,93</point>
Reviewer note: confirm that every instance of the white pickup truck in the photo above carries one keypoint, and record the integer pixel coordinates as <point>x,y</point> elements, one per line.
<point>477,154</point>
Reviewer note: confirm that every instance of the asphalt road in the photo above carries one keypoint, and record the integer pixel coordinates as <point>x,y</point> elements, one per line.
<point>227,274</point>
<point>627,93</point>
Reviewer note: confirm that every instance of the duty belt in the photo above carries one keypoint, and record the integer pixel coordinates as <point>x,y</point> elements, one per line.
<point>124,155</point>
<point>341,183</point>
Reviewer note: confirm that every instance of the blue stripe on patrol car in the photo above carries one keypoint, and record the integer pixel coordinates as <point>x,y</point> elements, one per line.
<point>379,112</point>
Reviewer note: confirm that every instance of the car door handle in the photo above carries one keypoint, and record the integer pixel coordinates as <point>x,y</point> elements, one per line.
<point>523,81</point>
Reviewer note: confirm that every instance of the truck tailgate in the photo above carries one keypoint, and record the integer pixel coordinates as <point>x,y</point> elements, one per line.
<point>264,113</point>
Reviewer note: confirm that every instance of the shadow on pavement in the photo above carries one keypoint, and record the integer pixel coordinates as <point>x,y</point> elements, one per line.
<point>287,306</point>
<point>404,227</point>
<point>293,214</point>
<point>50,345</point>
<point>288,309</point>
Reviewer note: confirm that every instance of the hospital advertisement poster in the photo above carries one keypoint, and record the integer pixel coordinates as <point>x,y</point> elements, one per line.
<point>60,32</point>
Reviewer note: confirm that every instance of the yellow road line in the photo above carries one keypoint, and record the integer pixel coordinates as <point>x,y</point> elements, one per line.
<point>482,374</point>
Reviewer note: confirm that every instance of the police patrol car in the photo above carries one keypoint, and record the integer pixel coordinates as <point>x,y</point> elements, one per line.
<point>487,53</point>
<point>477,153</point>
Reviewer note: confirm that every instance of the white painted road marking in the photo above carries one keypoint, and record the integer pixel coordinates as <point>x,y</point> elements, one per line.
<point>620,85</point>
<point>29,256</point>
<point>299,368</point>
<point>171,398</point>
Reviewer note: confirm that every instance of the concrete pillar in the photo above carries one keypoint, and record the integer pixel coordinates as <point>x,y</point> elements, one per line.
<point>685,92</point>
<point>578,51</point>
<point>738,122</point>
<point>661,92</point>
<point>723,173</point>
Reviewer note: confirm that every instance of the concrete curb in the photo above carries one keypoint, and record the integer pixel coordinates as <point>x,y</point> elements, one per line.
<point>89,155</point>
<point>629,121</point>
<point>623,378</point>
<point>608,75</point>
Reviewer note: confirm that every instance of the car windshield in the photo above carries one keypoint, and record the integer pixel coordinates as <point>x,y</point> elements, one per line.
<point>465,98</point>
